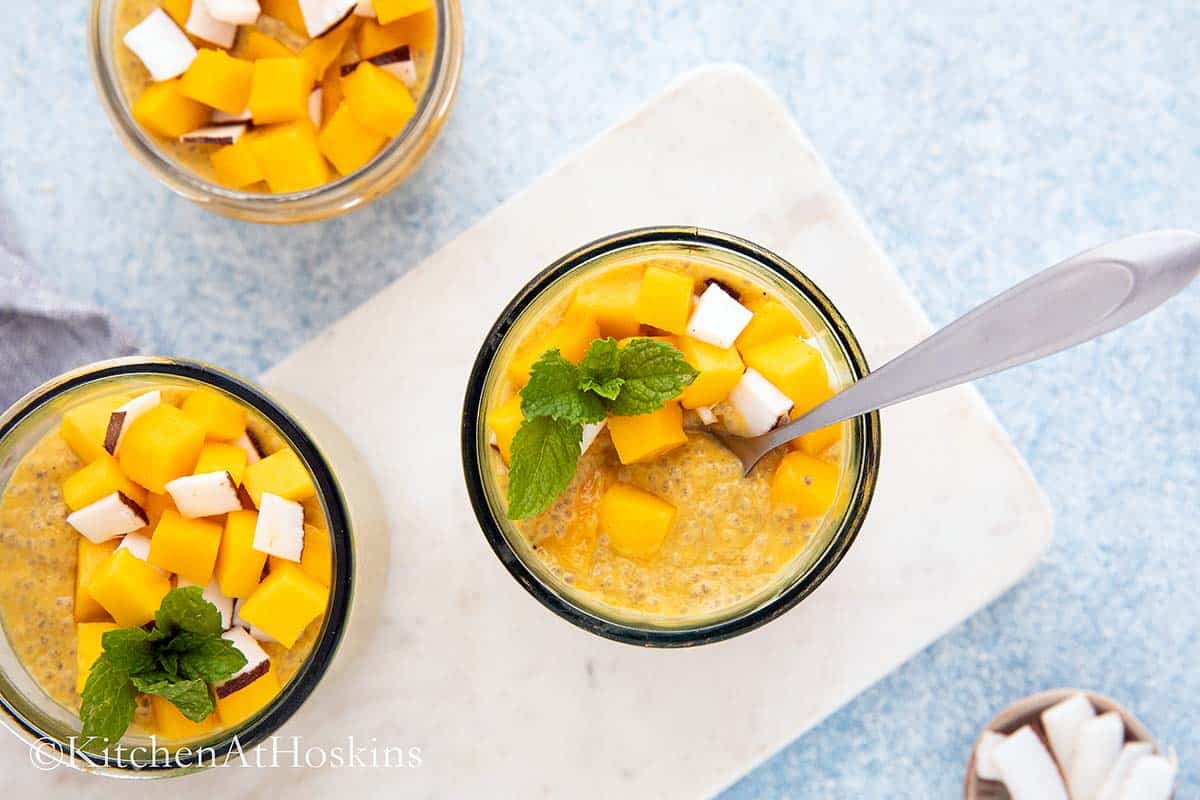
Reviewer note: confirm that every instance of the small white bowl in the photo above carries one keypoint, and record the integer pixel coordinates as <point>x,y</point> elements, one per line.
<point>1028,711</point>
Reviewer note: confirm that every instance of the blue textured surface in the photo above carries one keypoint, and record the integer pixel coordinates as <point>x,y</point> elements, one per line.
<point>981,141</point>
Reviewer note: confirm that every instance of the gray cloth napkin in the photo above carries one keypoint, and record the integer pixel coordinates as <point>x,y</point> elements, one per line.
<point>43,333</point>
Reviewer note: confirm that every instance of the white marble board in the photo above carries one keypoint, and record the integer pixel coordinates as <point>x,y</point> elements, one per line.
<point>503,698</point>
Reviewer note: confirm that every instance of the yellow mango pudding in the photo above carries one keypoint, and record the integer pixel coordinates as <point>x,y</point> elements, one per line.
<point>175,564</point>
<point>588,446</point>
<point>242,103</point>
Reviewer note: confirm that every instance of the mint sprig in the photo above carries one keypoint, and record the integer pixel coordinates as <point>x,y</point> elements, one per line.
<point>561,398</point>
<point>176,660</point>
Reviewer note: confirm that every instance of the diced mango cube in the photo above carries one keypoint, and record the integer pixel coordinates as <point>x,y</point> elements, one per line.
<point>720,370</point>
<point>634,522</point>
<point>281,473</point>
<point>239,566</point>
<point>89,644</point>
<point>379,100</point>
<point>321,52</point>
<point>99,479</point>
<point>347,144</point>
<point>332,95</point>
<point>665,300</point>
<point>164,109</point>
<point>418,31</point>
<point>217,79</point>
<point>236,708</point>
<point>84,427</point>
<point>236,165</point>
<point>170,723</point>
<point>279,90</point>
<point>89,556</point>
<point>317,557</point>
<point>289,157</point>
<point>285,603</point>
<point>572,337</point>
<point>222,457</point>
<point>392,10</point>
<point>794,366</point>
<point>646,436</point>
<point>820,440</point>
<point>772,320</point>
<point>805,483</point>
<point>129,589</point>
<point>178,10</point>
<point>159,446</point>
<point>612,301</point>
<point>187,547</point>
<point>222,417</point>
<point>258,45</point>
<point>505,420</point>
<point>156,504</point>
<point>286,11</point>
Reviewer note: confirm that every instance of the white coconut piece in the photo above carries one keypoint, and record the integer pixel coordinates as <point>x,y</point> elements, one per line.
<point>238,622</point>
<point>718,318</point>
<point>250,446</point>
<point>1096,752</point>
<point>590,432</point>
<point>258,663</point>
<point>322,16</point>
<point>212,593</point>
<point>1152,778</point>
<point>120,420</point>
<point>315,111</point>
<point>406,71</point>
<point>235,12</point>
<point>280,528</point>
<point>1062,722</point>
<point>1131,753</point>
<point>758,405</point>
<point>161,46</point>
<point>204,25</point>
<point>1025,765</point>
<point>138,545</point>
<point>985,765</point>
<point>220,117</point>
<point>205,495</point>
<point>366,8</point>
<point>109,517</point>
<point>217,134</point>
<point>707,415</point>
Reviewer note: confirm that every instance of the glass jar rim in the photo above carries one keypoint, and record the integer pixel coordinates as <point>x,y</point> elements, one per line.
<point>298,690</point>
<point>338,196</point>
<point>804,583</point>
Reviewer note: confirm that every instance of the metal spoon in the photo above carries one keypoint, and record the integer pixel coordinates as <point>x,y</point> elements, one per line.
<point>1068,304</point>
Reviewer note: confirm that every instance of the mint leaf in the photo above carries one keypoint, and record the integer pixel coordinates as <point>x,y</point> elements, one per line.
<point>191,697</point>
<point>186,610</point>
<point>129,650</point>
<point>168,660</point>
<point>553,391</point>
<point>599,370</point>
<point>109,702</point>
<point>602,363</point>
<point>213,660</point>
<point>544,454</point>
<point>653,373</point>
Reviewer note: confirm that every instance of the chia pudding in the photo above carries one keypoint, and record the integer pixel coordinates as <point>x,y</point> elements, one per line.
<point>658,522</point>
<point>53,608</point>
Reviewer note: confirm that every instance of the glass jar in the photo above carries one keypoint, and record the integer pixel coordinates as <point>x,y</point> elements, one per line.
<point>391,166</point>
<point>52,730</point>
<point>859,461</point>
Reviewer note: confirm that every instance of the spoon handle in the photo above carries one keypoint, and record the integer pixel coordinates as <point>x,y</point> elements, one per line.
<point>1065,305</point>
